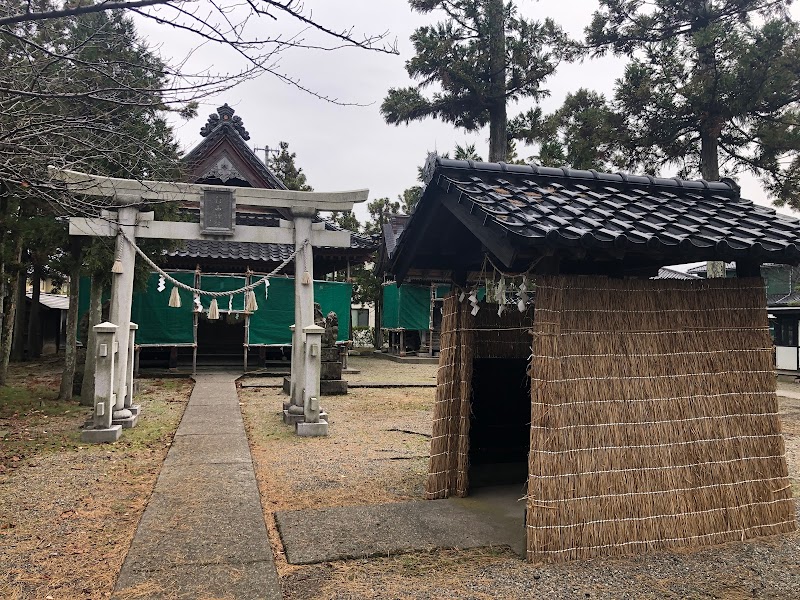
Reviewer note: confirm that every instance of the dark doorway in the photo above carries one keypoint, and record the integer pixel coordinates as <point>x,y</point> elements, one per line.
<point>223,337</point>
<point>500,422</point>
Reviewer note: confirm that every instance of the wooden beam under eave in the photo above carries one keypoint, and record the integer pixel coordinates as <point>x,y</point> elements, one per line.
<point>500,246</point>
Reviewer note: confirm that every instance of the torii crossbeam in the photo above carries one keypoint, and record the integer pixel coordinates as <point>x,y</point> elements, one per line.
<point>218,221</point>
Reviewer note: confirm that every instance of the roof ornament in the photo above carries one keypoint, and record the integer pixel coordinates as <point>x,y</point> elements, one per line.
<point>430,167</point>
<point>225,114</point>
<point>732,183</point>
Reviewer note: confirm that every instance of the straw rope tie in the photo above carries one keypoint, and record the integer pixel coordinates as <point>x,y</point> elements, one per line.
<point>654,354</point>
<point>566,332</point>
<point>656,492</point>
<point>685,443</point>
<point>660,468</point>
<point>696,288</point>
<point>642,310</point>
<point>667,398</point>
<point>636,423</point>
<point>738,532</point>
<point>664,516</point>
<point>628,377</point>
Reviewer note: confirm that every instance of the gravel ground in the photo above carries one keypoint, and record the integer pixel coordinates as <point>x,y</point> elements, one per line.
<point>68,511</point>
<point>364,461</point>
<point>381,370</point>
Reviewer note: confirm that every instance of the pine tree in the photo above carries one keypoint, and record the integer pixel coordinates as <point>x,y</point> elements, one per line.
<point>712,86</point>
<point>482,56</point>
<point>584,133</point>
<point>283,165</point>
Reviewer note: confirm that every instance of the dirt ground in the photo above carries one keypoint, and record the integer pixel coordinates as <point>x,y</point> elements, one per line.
<point>68,511</point>
<point>377,452</point>
<point>63,511</point>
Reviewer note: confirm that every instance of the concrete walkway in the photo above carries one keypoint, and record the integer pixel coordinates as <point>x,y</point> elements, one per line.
<point>489,517</point>
<point>203,534</point>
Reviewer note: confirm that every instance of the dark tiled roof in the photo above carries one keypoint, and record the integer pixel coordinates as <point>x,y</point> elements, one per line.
<point>214,133</point>
<point>559,211</point>
<point>667,273</point>
<point>222,249</point>
<point>792,299</point>
<point>701,269</point>
<point>564,207</point>
<point>248,251</point>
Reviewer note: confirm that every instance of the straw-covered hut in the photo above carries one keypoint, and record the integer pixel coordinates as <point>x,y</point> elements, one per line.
<point>641,413</point>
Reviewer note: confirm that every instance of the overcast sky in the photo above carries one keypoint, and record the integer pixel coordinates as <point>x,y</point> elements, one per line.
<point>350,147</point>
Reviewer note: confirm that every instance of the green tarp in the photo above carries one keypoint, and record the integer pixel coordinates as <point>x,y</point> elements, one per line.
<point>224,283</point>
<point>442,290</point>
<point>159,324</point>
<point>406,307</point>
<point>84,293</point>
<point>270,323</point>
<point>779,281</point>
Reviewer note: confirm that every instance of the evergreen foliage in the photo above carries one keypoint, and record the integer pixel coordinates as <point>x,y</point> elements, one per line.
<point>482,56</point>
<point>584,133</point>
<point>284,167</point>
<point>712,87</point>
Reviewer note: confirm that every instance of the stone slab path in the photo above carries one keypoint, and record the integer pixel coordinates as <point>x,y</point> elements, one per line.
<point>203,534</point>
<point>489,517</point>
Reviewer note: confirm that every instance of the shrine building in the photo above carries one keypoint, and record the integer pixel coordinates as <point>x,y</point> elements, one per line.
<point>181,337</point>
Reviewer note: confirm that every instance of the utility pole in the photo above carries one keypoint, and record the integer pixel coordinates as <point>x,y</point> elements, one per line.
<point>267,151</point>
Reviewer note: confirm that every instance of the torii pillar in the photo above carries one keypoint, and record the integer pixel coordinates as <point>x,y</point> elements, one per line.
<point>303,312</point>
<point>121,303</point>
<point>218,220</point>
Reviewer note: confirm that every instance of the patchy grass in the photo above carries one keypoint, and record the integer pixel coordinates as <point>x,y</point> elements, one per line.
<point>68,511</point>
<point>34,423</point>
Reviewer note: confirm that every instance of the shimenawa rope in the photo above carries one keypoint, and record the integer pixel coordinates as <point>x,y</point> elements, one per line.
<point>200,292</point>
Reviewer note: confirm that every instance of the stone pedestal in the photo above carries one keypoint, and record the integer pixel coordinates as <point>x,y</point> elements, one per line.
<point>331,387</point>
<point>128,422</point>
<point>330,380</point>
<point>101,436</point>
<point>101,429</point>
<point>312,429</point>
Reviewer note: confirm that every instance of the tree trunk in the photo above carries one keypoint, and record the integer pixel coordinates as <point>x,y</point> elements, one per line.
<point>709,169</point>
<point>10,317</point>
<point>709,154</point>
<point>95,317</point>
<point>20,325</point>
<point>498,138</point>
<point>34,320</point>
<point>71,350</point>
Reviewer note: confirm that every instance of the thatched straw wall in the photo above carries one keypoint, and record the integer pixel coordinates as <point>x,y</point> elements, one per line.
<point>654,418</point>
<point>464,338</point>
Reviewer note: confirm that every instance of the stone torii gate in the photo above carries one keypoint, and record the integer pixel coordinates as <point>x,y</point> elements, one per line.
<point>218,204</point>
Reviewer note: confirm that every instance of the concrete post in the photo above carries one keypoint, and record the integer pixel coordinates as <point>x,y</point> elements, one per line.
<point>102,429</point>
<point>303,298</point>
<point>130,381</point>
<point>287,404</point>
<point>121,300</point>
<point>312,426</point>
